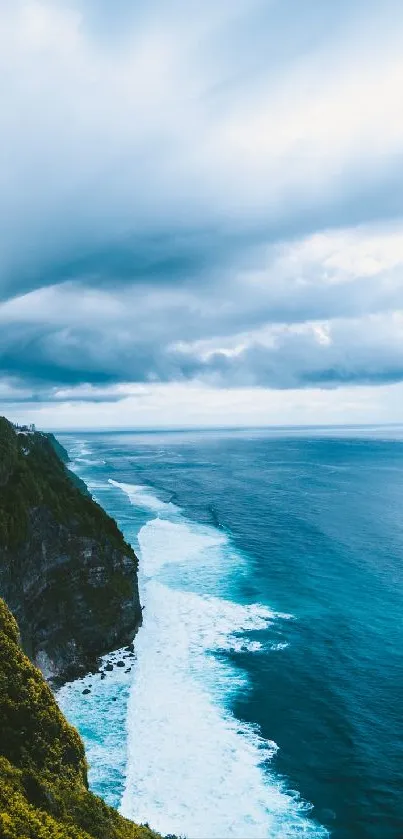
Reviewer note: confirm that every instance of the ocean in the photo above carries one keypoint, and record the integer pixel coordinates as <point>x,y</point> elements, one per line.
<point>266,697</point>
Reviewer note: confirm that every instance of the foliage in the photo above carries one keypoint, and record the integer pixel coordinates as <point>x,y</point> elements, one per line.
<point>43,772</point>
<point>33,475</point>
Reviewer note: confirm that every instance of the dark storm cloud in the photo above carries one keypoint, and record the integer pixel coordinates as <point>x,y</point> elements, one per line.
<point>177,181</point>
<point>365,353</point>
<point>365,350</point>
<point>205,255</point>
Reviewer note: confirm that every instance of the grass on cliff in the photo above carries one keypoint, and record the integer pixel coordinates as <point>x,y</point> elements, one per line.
<point>33,475</point>
<point>43,772</point>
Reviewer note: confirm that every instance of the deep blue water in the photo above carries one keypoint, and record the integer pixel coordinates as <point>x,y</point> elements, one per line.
<point>272,579</point>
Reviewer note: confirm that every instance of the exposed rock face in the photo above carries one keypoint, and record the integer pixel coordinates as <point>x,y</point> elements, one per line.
<point>43,772</point>
<point>65,569</point>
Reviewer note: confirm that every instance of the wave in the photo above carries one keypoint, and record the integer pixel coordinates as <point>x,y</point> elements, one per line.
<point>192,767</point>
<point>80,454</point>
<point>89,462</point>
<point>164,542</point>
<point>83,451</point>
<point>92,714</point>
<point>143,496</point>
<point>176,755</point>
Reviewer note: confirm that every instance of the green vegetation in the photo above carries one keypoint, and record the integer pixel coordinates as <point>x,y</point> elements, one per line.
<point>33,475</point>
<point>43,772</point>
<point>58,448</point>
<point>62,454</point>
<point>66,571</point>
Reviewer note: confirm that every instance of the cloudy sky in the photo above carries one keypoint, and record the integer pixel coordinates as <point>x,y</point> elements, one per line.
<point>201,208</point>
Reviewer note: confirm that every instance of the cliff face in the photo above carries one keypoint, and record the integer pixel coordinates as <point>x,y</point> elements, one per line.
<point>43,773</point>
<point>65,569</point>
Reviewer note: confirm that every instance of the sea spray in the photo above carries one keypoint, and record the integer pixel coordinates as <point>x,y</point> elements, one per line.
<point>193,768</point>
<point>164,734</point>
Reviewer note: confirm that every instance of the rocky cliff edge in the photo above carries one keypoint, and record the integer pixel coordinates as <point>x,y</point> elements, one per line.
<point>66,571</point>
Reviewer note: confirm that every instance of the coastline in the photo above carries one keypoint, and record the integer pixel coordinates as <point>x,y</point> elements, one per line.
<point>164,763</point>
<point>66,571</point>
<point>60,556</point>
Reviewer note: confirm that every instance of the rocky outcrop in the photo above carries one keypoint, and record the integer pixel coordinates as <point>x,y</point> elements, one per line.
<point>65,570</point>
<point>43,772</point>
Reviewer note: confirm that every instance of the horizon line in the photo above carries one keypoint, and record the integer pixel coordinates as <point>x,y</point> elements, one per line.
<point>207,428</point>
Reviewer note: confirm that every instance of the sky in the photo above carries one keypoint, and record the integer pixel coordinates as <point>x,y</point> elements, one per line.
<point>201,208</point>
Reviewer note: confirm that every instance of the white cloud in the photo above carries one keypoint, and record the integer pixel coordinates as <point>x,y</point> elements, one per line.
<point>344,255</point>
<point>99,142</point>
<point>195,406</point>
<point>190,200</point>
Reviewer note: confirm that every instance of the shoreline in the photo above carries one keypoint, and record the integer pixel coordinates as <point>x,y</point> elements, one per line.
<point>185,658</point>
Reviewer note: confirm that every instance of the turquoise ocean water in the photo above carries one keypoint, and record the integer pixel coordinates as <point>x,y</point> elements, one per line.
<point>266,695</point>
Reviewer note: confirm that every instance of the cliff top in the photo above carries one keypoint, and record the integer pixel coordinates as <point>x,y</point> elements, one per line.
<point>33,474</point>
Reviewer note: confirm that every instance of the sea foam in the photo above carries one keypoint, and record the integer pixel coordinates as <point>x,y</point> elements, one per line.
<point>142,496</point>
<point>192,768</point>
<point>185,764</point>
<point>100,716</point>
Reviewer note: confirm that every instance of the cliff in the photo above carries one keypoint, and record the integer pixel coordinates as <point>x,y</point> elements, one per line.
<point>65,570</point>
<point>43,773</point>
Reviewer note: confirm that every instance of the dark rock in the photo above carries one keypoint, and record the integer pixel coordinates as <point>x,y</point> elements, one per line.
<point>65,569</point>
<point>103,676</point>
<point>128,670</point>
<point>86,690</point>
<point>108,667</point>
<point>43,772</point>
<point>120,663</point>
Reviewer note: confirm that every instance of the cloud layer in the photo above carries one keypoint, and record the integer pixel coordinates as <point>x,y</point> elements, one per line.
<point>210,195</point>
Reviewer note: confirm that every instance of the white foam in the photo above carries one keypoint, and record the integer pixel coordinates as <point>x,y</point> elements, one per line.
<point>80,454</point>
<point>144,497</point>
<point>192,768</point>
<point>92,483</point>
<point>101,718</point>
<point>89,461</point>
<point>79,449</point>
<point>163,542</point>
